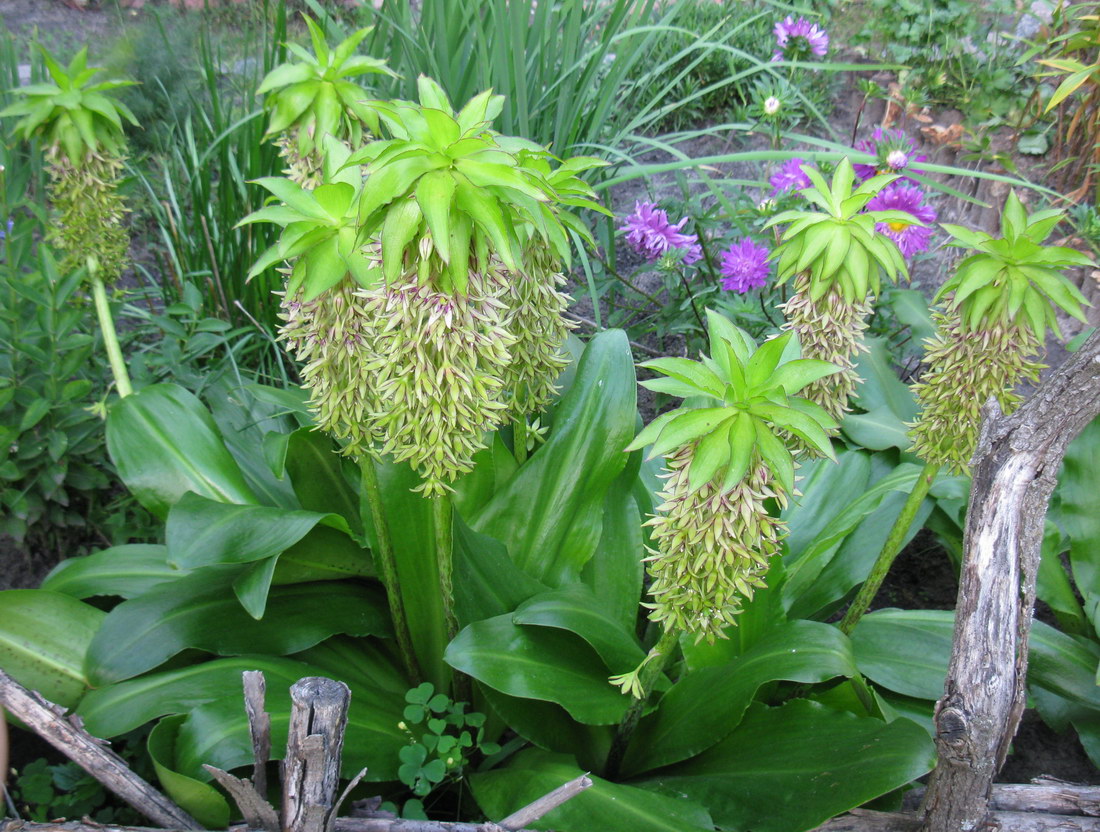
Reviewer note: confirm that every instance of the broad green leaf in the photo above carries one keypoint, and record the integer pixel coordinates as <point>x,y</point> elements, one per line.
<point>124,706</point>
<point>881,386</point>
<point>794,767</point>
<point>202,532</point>
<point>577,609</point>
<point>606,806</point>
<point>164,443</point>
<point>435,193</point>
<point>125,571</point>
<point>487,583</point>
<point>43,640</point>
<point>538,663</point>
<point>199,611</point>
<point>616,571</point>
<point>877,429</point>
<point>549,727</point>
<point>1079,514</point>
<point>707,704</point>
<point>493,466</point>
<point>1053,585</point>
<point>905,651</point>
<point>201,800</point>
<point>568,477</point>
<point>320,476</point>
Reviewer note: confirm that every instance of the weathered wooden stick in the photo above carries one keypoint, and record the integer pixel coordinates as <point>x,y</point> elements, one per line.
<point>1015,469</point>
<point>533,811</point>
<point>1043,794</point>
<point>311,770</point>
<point>68,736</point>
<point>259,726</point>
<point>256,811</point>
<point>863,821</point>
<point>3,749</point>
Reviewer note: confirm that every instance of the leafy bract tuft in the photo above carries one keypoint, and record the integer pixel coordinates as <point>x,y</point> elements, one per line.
<point>72,113</point>
<point>315,96</point>
<point>1014,279</point>
<point>447,192</point>
<point>746,401</point>
<point>838,246</point>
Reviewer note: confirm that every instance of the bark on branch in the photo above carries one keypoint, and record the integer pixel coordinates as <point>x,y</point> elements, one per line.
<point>67,735</point>
<point>1015,469</point>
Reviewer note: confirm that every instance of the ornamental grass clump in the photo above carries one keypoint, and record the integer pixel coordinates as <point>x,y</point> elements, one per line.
<point>836,257</point>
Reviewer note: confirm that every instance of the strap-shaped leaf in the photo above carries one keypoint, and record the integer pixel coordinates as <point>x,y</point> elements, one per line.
<point>401,224</point>
<point>689,372</point>
<point>711,454</point>
<point>686,427</point>
<point>435,195</point>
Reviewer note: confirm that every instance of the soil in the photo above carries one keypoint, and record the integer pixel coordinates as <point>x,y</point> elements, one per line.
<point>921,578</point>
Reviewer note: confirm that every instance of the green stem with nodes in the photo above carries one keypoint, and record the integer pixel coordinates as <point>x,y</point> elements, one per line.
<point>890,550</point>
<point>647,674</point>
<point>387,567</point>
<point>110,337</point>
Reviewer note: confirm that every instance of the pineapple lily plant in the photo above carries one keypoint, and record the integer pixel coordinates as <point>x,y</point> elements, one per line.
<point>994,315</point>
<point>837,261</point>
<point>81,128</point>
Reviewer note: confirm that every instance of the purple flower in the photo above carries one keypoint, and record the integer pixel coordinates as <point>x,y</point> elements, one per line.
<point>651,234</point>
<point>910,238</point>
<point>745,266</point>
<point>790,177</point>
<point>11,224</point>
<point>893,152</point>
<point>799,38</point>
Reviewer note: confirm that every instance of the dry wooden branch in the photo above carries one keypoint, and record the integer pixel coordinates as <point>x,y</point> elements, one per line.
<point>548,802</point>
<point>311,770</point>
<point>1015,469</point>
<point>259,727</point>
<point>863,821</point>
<point>256,811</point>
<point>68,736</point>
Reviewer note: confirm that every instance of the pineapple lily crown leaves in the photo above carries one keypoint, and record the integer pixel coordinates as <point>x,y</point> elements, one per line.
<point>72,112</point>
<point>1014,278</point>
<point>320,227</point>
<point>748,401</point>
<point>838,245</point>
<point>315,94</point>
<point>448,192</point>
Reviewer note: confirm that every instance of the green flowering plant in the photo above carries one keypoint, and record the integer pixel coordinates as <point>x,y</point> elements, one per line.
<point>990,329</point>
<point>315,97</point>
<point>837,259</point>
<point>727,454</point>
<point>85,147</point>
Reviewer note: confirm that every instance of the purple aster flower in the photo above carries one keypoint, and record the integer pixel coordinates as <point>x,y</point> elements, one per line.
<point>910,238</point>
<point>893,152</point>
<point>11,224</point>
<point>790,177</point>
<point>651,234</point>
<point>799,38</point>
<point>745,266</point>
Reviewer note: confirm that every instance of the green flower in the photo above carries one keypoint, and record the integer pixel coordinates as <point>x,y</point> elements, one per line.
<point>72,113</point>
<point>314,97</point>
<point>727,459</point>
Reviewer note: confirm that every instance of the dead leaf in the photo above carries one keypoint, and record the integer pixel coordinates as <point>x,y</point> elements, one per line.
<point>939,135</point>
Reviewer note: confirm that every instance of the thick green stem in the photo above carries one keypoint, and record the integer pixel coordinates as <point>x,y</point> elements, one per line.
<point>519,439</point>
<point>890,549</point>
<point>387,567</point>
<point>651,669</point>
<point>443,517</point>
<point>110,337</point>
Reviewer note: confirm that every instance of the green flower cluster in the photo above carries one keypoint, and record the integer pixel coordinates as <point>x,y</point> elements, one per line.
<point>996,310</point>
<point>444,243</point>
<point>837,260</point>
<point>727,459</point>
